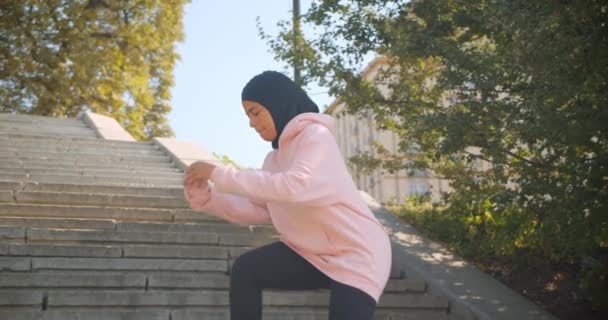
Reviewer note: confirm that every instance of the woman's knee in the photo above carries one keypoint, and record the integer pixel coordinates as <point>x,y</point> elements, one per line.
<point>242,266</point>
<point>347,302</point>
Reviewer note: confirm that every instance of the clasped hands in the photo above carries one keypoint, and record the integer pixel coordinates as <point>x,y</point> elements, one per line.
<point>198,173</point>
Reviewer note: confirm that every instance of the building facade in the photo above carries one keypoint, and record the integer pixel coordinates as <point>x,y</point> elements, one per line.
<point>356,134</point>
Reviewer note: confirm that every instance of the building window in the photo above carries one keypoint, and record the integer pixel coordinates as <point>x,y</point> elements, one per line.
<point>420,173</point>
<point>418,188</point>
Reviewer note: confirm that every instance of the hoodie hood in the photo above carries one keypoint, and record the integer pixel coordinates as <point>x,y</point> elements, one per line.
<point>303,120</point>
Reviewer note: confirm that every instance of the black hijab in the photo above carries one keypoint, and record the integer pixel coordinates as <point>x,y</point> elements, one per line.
<point>283,98</point>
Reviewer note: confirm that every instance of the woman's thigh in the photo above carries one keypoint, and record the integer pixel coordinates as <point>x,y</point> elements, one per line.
<point>276,266</point>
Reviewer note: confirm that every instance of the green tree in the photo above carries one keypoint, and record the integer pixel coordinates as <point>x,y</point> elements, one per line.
<point>59,57</point>
<point>525,82</point>
<point>226,160</point>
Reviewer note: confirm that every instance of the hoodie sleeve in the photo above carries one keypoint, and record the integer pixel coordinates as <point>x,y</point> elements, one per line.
<point>233,208</point>
<point>308,179</point>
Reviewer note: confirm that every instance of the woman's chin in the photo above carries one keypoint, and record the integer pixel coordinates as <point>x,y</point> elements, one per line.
<point>267,138</point>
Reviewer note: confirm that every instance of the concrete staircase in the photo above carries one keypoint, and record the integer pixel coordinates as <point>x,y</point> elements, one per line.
<point>99,229</point>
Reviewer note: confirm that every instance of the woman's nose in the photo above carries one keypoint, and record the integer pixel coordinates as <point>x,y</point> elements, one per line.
<point>251,123</point>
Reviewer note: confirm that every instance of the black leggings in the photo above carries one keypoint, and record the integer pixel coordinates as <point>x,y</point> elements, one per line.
<point>276,266</point>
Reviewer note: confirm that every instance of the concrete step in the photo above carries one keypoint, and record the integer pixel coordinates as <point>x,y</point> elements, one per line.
<point>117,251</point>
<point>61,145</point>
<point>73,165</point>
<point>140,264</point>
<point>177,192</point>
<point>72,279</point>
<point>58,223</point>
<point>39,123</point>
<point>86,314</point>
<point>62,148</point>
<point>221,281</point>
<point>173,252</point>
<point>201,298</point>
<point>388,300</point>
<point>130,180</point>
<point>96,212</point>
<point>64,145</point>
<point>113,250</point>
<point>54,250</point>
<point>83,279</point>
<point>15,263</point>
<point>15,234</point>
<point>7,157</point>
<point>101,164</point>
<point>42,122</point>
<point>36,119</point>
<point>20,140</point>
<point>44,128</point>
<point>114,173</point>
<point>12,234</point>
<point>206,314</point>
<point>217,227</point>
<point>245,240</point>
<point>10,185</point>
<point>14,298</point>
<point>190,280</point>
<point>6,196</point>
<point>48,130</point>
<point>80,153</point>
<point>269,313</point>
<point>113,279</point>
<point>23,139</point>
<point>92,199</point>
<point>64,236</point>
<point>106,237</point>
<point>85,163</point>
<point>233,252</point>
<point>64,264</point>
<point>302,313</point>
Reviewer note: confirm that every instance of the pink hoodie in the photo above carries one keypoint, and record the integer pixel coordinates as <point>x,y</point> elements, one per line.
<point>306,192</point>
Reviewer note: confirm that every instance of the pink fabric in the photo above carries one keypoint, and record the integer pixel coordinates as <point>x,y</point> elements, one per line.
<point>306,192</point>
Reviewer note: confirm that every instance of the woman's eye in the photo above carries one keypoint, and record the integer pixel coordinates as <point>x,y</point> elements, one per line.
<point>255,114</point>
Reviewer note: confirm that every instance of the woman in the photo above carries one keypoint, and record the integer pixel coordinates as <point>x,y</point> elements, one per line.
<point>329,237</point>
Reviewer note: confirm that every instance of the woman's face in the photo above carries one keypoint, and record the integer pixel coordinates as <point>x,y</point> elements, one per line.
<point>260,119</point>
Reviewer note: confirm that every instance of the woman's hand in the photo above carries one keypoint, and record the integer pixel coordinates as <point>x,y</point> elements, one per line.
<point>198,171</point>
<point>197,191</point>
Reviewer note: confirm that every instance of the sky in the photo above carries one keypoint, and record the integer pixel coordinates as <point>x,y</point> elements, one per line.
<point>221,51</point>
